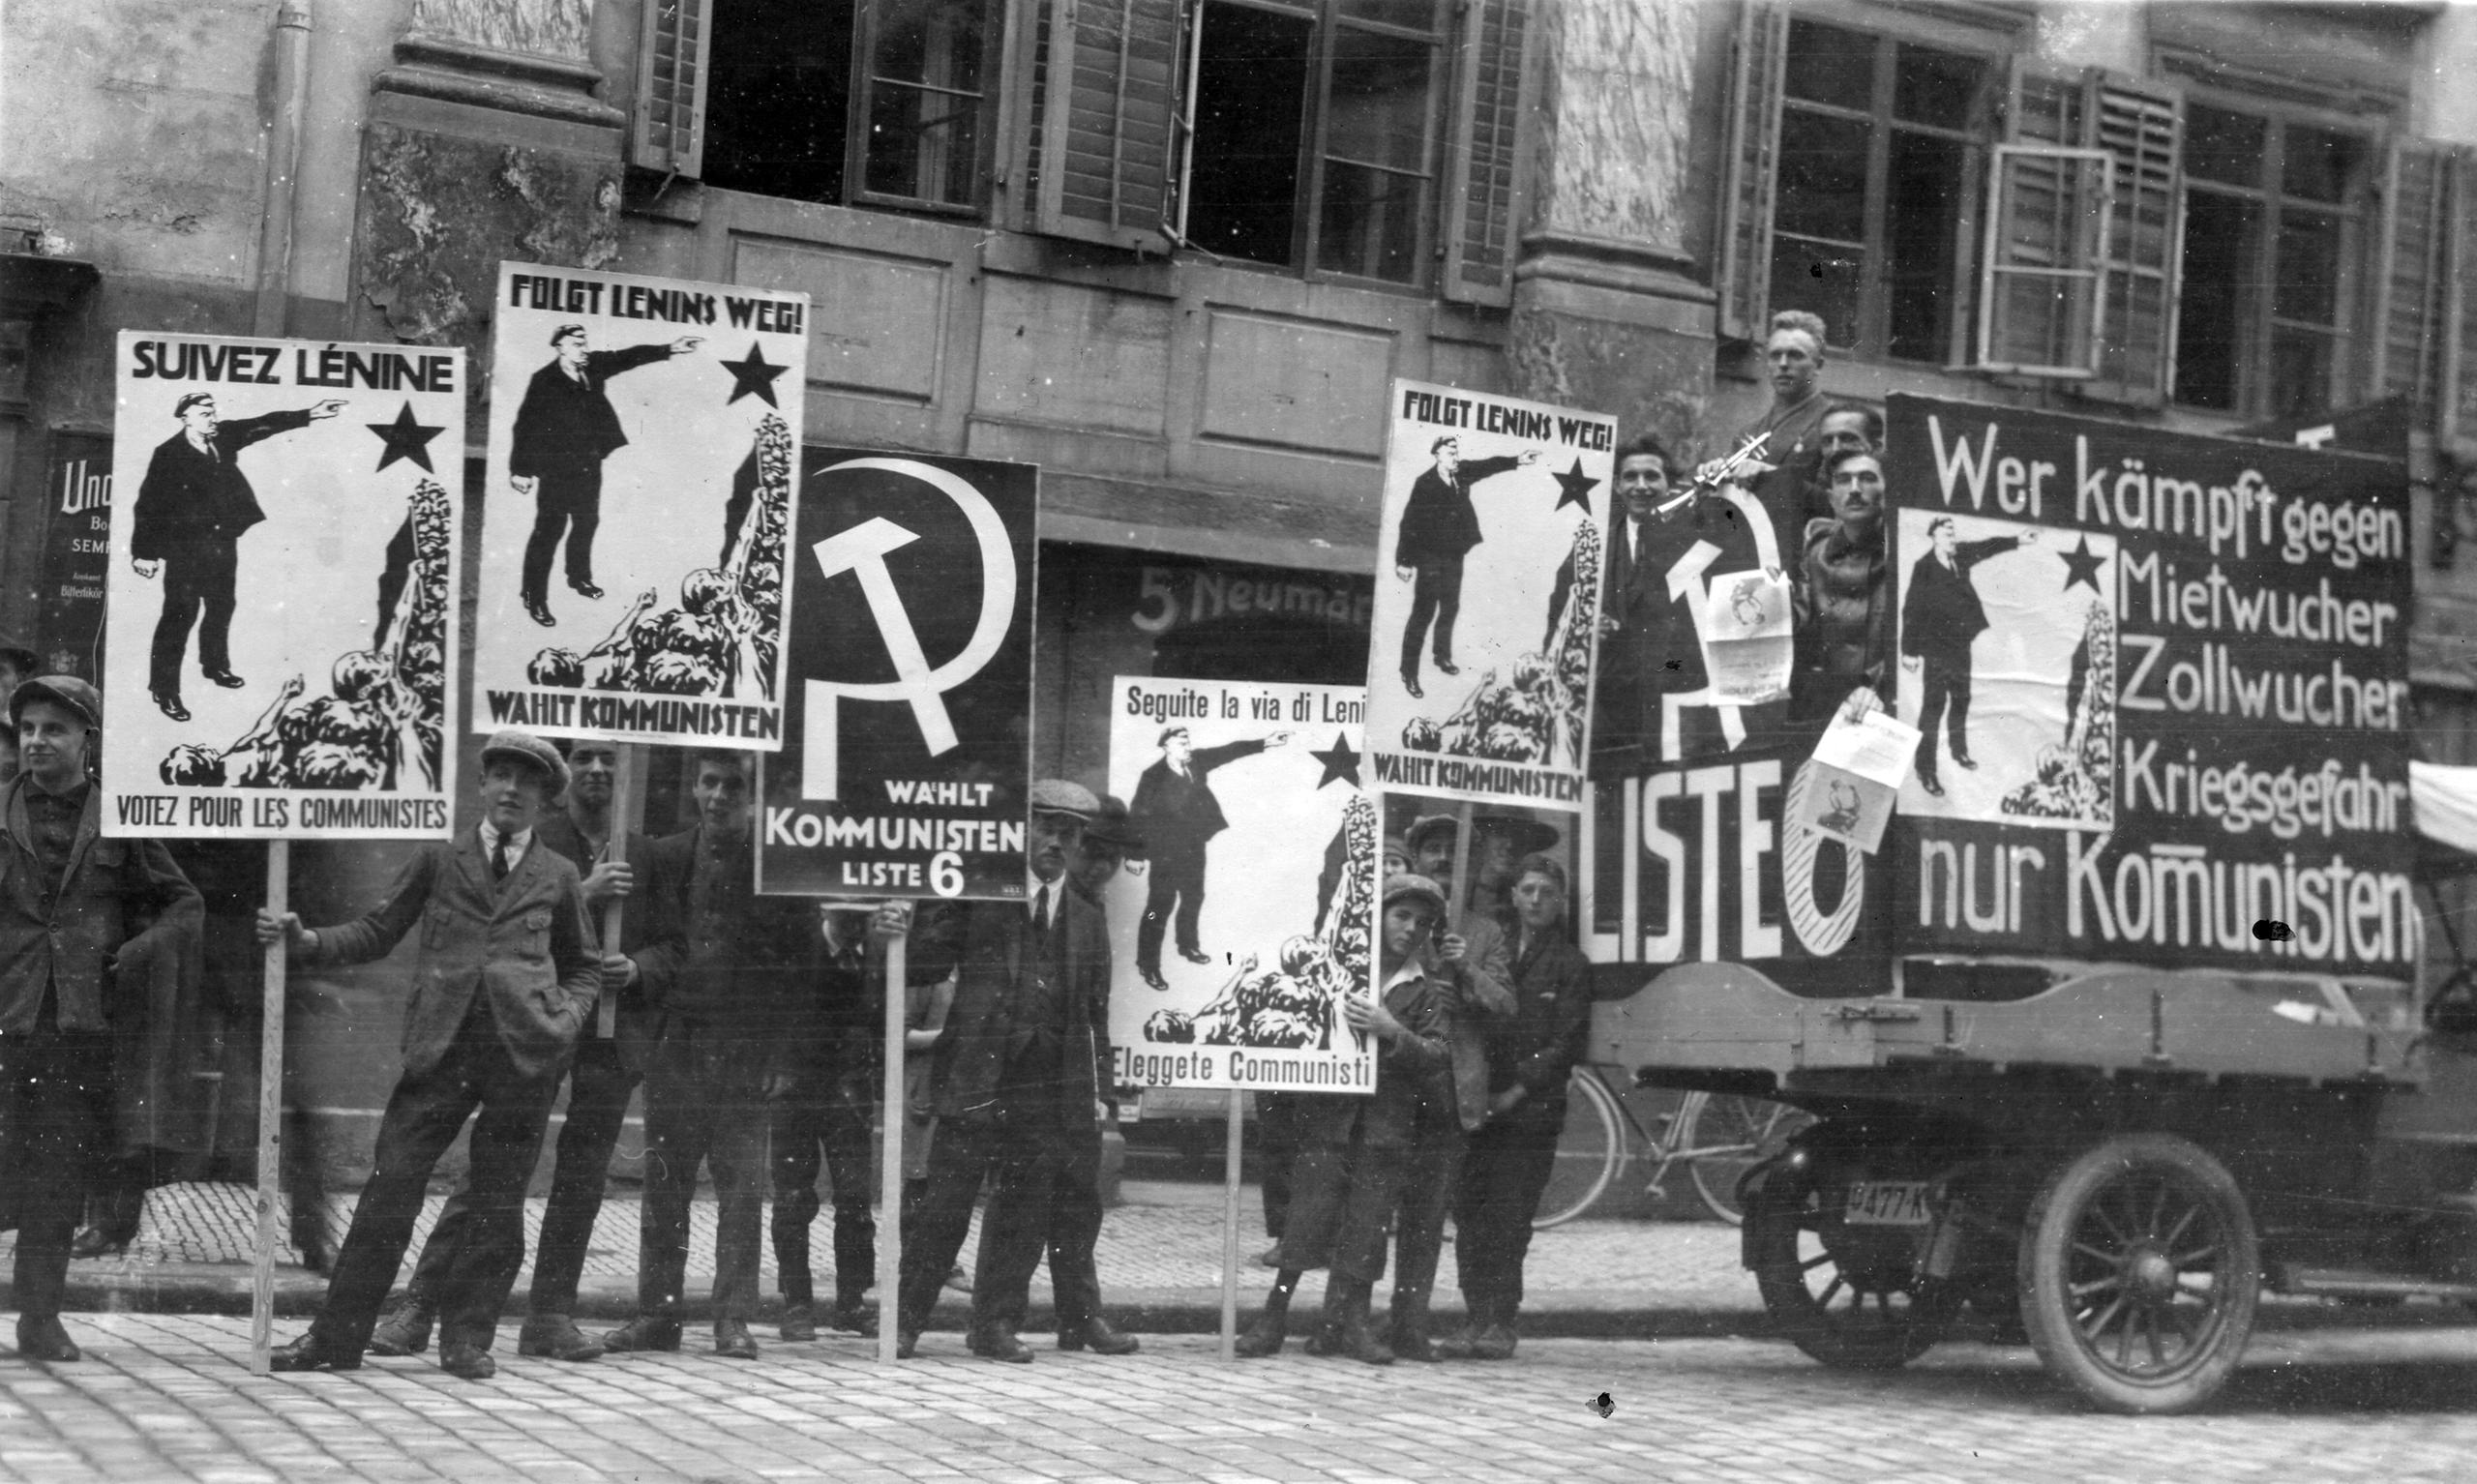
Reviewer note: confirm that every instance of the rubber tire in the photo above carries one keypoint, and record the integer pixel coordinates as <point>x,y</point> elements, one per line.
<point>1724,1119</point>
<point>2045,1274</point>
<point>1773,1214</point>
<point>1577,1180</point>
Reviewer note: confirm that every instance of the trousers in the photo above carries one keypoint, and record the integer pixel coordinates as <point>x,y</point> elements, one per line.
<point>1437,597</point>
<point>599,1083</point>
<point>704,1105</point>
<point>510,1111</point>
<point>59,1089</point>
<point>1505,1169</point>
<point>198,592</point>
<point>568,502</point>
<point>825,1115</point>
<point>1944,696</point>
<point>1046,1196</point>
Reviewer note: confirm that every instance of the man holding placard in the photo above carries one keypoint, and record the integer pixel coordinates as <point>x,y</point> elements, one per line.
<point>506,979</point>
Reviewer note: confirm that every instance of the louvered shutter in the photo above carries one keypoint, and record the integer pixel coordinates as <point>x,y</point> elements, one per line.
<point>2409,278</point>
<point>1487,180</point>
<point>668,130</point>
<point>2141,124</point>
<point>1745,276</point>
<point>2458,324</point>
<point>1107,126</point>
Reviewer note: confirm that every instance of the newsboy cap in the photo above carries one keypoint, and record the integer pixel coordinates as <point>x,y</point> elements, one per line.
<point>1058,796</point>
<point>524,747</point>
<point>1114,828</point>
<point>1428,824</point>
<point>67,692</point>
<point>1409,883</point>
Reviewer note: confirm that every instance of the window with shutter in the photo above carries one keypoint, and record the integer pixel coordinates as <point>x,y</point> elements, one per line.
<point>1753,165</point>
<point>1486,182</point>
<point>2040,312</point>
<point>2409,277</point>
<point>670,127</point>
<point>1107,122</point>
<point>2458,325</point>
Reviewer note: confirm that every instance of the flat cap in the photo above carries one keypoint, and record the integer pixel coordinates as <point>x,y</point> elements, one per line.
<point>526,747</point>
<point>1528,834</point>
<point>1428,824</point>
<point>1409,883</point>
<point>65,691</point>
<point>1115,829</point>
<point>1058,796</point>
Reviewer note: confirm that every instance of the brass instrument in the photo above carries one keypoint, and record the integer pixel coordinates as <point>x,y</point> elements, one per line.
<point>1721,473</point>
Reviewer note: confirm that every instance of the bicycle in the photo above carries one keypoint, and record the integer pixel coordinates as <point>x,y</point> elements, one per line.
<point>1716,1136</point>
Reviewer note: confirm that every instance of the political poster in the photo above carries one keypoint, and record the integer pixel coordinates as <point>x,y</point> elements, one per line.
<point>2160,683</point>
<point>638,508</point>
<point>77,545</point>
<point>321,481</point>
<point>1235,942</point>
<point>1487,596</point>
<point>907,755</point>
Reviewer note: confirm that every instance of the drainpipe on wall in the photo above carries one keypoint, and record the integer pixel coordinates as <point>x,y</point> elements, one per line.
<point>283,163</point>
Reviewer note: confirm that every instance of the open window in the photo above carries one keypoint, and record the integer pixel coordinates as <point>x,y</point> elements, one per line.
<point>2041,305</point>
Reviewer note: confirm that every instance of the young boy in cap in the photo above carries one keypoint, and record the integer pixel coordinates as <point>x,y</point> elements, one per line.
<point>1348,1177</point>
<point>79,915</point>
<point>506,978</point>
<point>1018,1073</point>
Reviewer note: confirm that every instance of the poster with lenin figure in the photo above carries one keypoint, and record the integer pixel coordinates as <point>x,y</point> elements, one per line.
<point>1487,596</point>
<point>639,500</point>
<point>320,481</point>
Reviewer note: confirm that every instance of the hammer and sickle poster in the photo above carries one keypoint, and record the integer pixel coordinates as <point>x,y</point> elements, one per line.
<point>638,508</point>
<point>906,745</point>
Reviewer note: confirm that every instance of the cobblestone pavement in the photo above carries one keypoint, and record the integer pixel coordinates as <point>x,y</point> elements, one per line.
<point>170,1397</point>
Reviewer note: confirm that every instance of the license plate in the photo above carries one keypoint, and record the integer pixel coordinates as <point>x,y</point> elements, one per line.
<point>1887,1203</point>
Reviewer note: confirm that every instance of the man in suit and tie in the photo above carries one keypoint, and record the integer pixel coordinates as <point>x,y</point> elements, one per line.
<point>1178,816</point>
<point>564,429</point>
<point>506,979</point>
<point>1939,618</point>
<point>1438,530</point>
<point>192,508</point>
<point>1019,1072</point>
<point>1635,607</point>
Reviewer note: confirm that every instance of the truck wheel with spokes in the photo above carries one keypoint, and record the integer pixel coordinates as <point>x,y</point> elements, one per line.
<point>1849,1298</point>
<point>2139,1274</point>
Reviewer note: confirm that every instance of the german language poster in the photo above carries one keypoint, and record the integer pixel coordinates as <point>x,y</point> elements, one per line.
<point>2160,683</point>
<point>1252,913</point>
<point>1487,596</point>
<point>907,751</point>
<point>638,507</point>
<point>322,481</point>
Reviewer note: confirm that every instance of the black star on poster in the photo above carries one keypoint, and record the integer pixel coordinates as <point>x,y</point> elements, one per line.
<point>751,375</point>
<point>1575,486</point>
<point>1340,761</point>
<point>407,437</point>
<point>2081,565</point>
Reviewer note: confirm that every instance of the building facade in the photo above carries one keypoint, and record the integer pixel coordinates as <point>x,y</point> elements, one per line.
<point>1172,251</point>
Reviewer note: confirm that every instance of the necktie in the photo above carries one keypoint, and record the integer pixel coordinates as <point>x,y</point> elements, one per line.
<point>1040,913</point>
<point>498,860</point>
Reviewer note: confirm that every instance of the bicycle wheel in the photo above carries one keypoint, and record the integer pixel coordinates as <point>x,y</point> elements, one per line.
<point>1719,1138</point>
<point>1590,1152</point>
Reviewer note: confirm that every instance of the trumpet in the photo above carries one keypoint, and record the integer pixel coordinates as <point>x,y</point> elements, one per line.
<point>1721,473</point>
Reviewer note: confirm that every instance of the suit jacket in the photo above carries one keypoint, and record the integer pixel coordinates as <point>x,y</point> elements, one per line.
<point>121,906</point>
<point>1175,815</point>
<point>187,496</point>
<point>1633,595</point>
<point>1438,522</point>
<point>1538,1045</point>
<point>745,975</point>
<point>522,944</point>
<point>986,945</point>
<point>564,427</point>
<point>1941,611</point>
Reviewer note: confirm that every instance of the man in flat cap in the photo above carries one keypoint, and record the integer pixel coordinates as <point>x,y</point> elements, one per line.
<point>82,920</point>
<point>1018,1073</point>
<point>506,979</point>
<point>192,509</point>
<point>722,970</point>
<point>564,429</point>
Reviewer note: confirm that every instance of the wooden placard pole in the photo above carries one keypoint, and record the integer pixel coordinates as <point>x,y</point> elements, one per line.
<point>270,1113</point>
<point>1460,888</point>
<point>625,807</point>
<point>1230,1226</point>
<point>890,1156</point>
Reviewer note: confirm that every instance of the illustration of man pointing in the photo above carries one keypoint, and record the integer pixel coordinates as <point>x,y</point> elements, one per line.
<point>564,429</point>
<point>1174,811</point>
<point>192,508</point>
<point>1438,530</point>
<point>1939,620</point>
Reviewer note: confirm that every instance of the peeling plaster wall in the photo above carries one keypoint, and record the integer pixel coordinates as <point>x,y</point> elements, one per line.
<point>1618,108</point>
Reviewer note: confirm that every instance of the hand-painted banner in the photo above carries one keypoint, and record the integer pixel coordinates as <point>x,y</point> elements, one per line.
<point>639,500</point>
<point>323,481</point>
<point>2162,683</point>
<point>1487,596</point>
<point>908,749</point>
<point>1235,942</point>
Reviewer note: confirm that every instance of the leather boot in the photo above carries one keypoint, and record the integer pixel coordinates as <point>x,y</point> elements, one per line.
<point>407,1330</point>
<point>1457,1344</point>
<point>1350,1332</point>
<point>798,1325</point>
<point>1265,1332</point>
<point>854,1314</point>
<point>557,1337</point>
<point>643,1333</point>
<point>1496,1342</point>
<point>39,1337</point>
<point>1409,1339</point>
